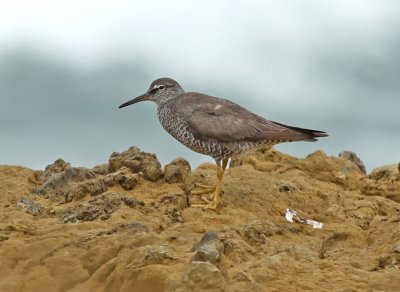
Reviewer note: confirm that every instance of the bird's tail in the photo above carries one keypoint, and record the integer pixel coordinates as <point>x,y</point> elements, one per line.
<point>305,134</point>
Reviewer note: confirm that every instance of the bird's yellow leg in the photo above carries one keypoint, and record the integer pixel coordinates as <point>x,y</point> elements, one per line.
<point>216,201</point>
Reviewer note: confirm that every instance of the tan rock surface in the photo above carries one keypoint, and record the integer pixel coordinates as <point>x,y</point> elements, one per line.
<point>129,229</point>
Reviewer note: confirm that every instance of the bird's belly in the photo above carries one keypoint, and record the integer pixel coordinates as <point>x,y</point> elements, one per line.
<point>207,147</point>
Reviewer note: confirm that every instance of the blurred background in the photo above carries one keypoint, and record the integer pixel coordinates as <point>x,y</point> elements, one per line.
<point>66,66</point>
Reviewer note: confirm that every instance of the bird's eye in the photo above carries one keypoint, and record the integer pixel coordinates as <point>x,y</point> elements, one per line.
<point>161,87</point>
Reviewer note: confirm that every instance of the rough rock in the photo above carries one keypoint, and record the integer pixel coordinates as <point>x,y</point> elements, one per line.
<point>203,276</point>
<point>352,156</point>
<point>383,181</point>
<point>209,248</point>
<point>210,238</point>
<point>104,169</point>
<point>30,206</point>
<point>388,172</point>
<point>132,228</point>
<point>158,255</point>
<point>333,169</point>
<point>207,253</point>
<point>390,259</point>
<point>63,183</point>
<point>177,171</point>
<point>124,177</point>
<point>173,215</point>
<point>143,236</point>
<point>135,227</point>
<point>137,161</point>
<point>73,190</point>
<point>256,232</point>
<point>57,166</point>
<point>100,207</point>
<point>178,201</point>
<point>60,173</point>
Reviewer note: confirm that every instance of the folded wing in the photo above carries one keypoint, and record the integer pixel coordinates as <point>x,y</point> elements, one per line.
<point>213,118</point>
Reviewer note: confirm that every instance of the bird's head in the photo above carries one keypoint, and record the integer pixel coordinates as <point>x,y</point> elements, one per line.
<point>160,91</point>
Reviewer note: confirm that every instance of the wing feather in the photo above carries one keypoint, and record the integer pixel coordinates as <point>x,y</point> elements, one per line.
<point>214,118</point>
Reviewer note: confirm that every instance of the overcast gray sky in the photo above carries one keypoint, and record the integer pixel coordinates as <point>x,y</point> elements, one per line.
<point>65,66</point>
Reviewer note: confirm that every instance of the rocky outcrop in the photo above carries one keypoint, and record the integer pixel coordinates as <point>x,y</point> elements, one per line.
<point>127,225</point>
<point>138,162</point>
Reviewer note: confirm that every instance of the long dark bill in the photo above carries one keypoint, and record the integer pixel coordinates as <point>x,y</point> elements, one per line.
<point>135,100</point>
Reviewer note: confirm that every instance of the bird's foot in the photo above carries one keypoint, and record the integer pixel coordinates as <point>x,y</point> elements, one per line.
<point>205,190</point>
<point>202,186</point>
<point>212,205</point>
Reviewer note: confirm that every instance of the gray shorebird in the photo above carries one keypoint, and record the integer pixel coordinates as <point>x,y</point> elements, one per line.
<point>216,127</point>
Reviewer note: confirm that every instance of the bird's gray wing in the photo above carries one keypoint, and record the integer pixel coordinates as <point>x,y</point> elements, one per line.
<point>212,118</point>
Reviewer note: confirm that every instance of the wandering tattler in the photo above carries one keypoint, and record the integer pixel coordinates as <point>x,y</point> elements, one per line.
<point>216,127</point>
